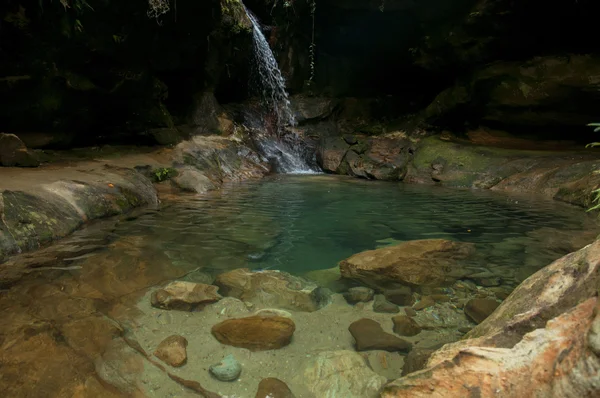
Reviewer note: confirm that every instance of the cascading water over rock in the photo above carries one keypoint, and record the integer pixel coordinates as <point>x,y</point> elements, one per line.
<point>282,146</point>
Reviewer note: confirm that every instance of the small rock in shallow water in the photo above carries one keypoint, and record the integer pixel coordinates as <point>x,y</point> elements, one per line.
<point>185,296</point>
<point>409,311</point>
<point>416,360</point>
<point>425,302</point>
<point>256,333</point>
<point>172,351</point>
<point>273,388</point>
<point>382,305</point>
<point>401,296</point>
<point>405,326</point>
<point>359,294</point>
<point>228,369</point>
<point>479,309</point>
<point>369,335</point>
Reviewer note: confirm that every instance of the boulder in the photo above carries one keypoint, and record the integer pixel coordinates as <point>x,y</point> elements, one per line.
<point>340,374</point>
<point>273,388</point>
<point>369,335</point>
<point>429,262</point>
<point>273,289</point>
<point>256,333</point>
<point>312,108</point>
<point>172,351</point>
<point>479,309</point>
<point>556,361</point>
<point>330,154</point>
<point>14,153</point>
<point>405,326</point>
<point>185,296</point>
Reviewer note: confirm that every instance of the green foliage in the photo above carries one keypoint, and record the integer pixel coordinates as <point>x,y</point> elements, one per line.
<point>596,129</point>
<point>163,173</point>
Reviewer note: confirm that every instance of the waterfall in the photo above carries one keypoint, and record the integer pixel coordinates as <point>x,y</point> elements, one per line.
<point>284,149</point>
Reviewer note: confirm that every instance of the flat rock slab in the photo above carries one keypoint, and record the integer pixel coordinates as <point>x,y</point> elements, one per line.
<point>428,262</point>
<point>185,296</point>
<point>369,335</point>
<point>172,351</point>
<point>273,289</point>
<point>256,333</point>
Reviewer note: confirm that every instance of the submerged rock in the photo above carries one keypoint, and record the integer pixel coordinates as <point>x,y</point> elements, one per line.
<point>229,369</point>
<point>172,350</point>
<point>401,296</point>
<point>479,309</point>
<point>340,374</point>
<point>359,294</point>
<point>425,302</point>
<point>369,335</point>
<point>273,289</point>
<point>405,326</point>
<point>185,296</point>
<point>416,360</point>
<point>273,388</point>
<point>430,262</point>
<point>256,333</point>
<point>380,304</point>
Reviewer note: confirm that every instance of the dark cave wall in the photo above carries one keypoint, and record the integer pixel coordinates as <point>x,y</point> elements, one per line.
<point>529,67</point>
<point>111,73</point>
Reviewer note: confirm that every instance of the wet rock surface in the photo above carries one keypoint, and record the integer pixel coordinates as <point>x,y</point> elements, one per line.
<point>369,335</point>
<point>256,333</point>
<point>380,304</point>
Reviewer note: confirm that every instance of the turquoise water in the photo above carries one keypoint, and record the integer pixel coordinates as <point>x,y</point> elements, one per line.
<point>305,223</point>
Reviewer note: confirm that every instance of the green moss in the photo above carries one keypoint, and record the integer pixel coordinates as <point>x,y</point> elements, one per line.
<point>163,173</point>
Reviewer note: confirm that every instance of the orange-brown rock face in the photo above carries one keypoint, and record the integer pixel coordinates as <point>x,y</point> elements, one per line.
<point>255,333</point>
<point>558,361</point>
<point>428,262</point>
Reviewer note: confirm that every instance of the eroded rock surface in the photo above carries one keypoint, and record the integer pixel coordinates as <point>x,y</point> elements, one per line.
<point>555,361</point>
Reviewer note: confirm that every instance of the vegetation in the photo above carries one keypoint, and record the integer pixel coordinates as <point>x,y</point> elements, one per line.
<point>163,173</point>
<point>596,192</point>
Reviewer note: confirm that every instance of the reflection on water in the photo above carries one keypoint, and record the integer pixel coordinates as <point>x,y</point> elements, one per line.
<point>304,223</point>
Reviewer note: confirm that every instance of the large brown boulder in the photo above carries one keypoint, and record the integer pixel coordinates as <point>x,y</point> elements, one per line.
<point>555,362</point>
<point>429,262</point>
<point>14,153</point>
<point>273,289</point>
<point>256,333</point>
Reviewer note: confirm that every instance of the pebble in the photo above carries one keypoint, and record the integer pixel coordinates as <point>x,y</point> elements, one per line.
<point>229,369</point>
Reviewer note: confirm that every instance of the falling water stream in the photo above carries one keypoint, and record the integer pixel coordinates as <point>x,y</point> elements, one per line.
<point>283,147</point>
